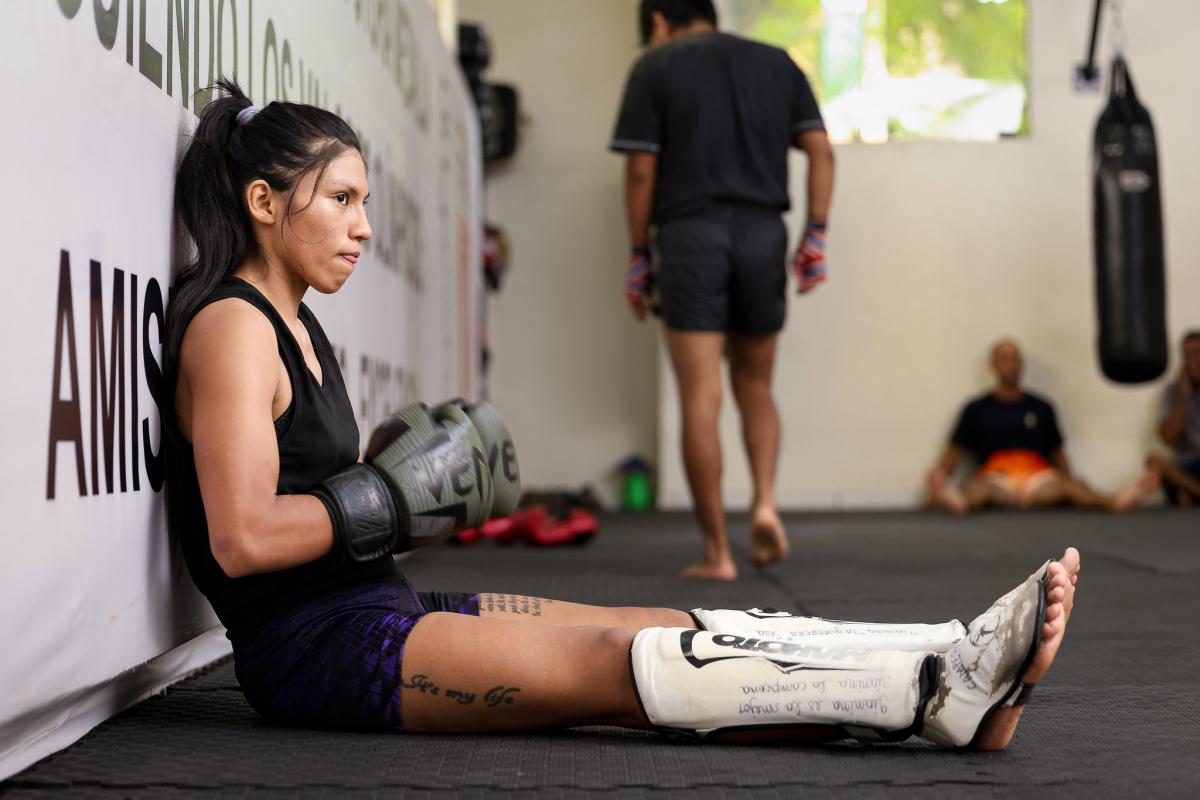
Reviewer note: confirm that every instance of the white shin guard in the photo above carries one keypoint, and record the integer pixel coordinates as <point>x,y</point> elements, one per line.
<point>696,682</point>
<point>983,671</point>
<point>767,623</point>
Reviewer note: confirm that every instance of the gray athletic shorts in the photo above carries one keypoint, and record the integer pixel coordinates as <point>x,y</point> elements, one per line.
<point>724,270</point>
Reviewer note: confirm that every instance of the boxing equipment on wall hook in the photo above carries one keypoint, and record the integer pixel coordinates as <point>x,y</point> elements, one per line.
<point>1128,230</point>
<point>1087,76</point>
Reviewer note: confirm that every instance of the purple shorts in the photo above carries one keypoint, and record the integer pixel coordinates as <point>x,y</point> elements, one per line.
<point>334,662</point>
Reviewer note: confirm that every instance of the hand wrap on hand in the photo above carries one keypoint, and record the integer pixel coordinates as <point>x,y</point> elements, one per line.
<point>639,280</point>
<point>809,262</point>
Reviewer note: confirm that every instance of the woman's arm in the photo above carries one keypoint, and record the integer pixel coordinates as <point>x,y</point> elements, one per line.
<point>230,376</point>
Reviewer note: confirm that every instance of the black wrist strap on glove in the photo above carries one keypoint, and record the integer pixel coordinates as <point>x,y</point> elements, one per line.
<point>366,521</point>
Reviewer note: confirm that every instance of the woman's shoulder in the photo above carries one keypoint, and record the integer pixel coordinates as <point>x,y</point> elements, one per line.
<point>229,328</point>
<point>234,311</point>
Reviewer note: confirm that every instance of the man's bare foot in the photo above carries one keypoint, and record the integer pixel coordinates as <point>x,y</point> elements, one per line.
<point>768,539</point>
<point>710,571</point>
<point>1133,493</point>
<point>943,492</point>
<point>1060,601</point>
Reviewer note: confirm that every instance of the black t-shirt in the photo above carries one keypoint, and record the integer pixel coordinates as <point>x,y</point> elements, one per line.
<point>317,436</point>
<point>720,111</point>
<point>987,425</point>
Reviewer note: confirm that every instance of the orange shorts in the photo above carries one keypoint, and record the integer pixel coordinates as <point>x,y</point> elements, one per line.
<point>1019,471</point>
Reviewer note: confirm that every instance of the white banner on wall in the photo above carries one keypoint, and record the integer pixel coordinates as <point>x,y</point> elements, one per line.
<point>100,104</point>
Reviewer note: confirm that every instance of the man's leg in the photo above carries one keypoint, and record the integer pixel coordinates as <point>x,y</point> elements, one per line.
<point>1137,490</point>
<point>696,359</point>
<point>1178,480</point>
<point>1054,488</point>
<point>982,490</point>
<point>751,364</point>
<point>1059,489</point>
<point>942,492</point>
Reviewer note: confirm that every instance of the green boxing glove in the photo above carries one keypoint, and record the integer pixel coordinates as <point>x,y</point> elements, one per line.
<point>426,476</point>
<point>500,452</point>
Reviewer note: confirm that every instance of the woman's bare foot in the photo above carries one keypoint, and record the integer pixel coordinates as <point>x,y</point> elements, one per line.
<point>710,571</point>
<point>1060,601</point>
<point>944,493</point>
<point>1133,493</point>
<point>768,539</point>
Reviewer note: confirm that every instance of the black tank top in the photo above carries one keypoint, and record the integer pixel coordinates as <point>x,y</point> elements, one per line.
<point>317,436</point>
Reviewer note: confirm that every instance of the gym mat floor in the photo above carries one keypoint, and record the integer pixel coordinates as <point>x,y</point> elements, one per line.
<point>1115,717</point>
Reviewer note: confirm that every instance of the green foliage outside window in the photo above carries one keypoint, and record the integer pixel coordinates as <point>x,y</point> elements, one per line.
<point>903,69</point>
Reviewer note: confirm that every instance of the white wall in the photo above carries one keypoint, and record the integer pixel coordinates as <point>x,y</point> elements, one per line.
<point>936,249</point>
<point>573,374</point>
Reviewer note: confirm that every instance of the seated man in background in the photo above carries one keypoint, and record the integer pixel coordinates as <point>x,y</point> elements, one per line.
<point>1013,436</point>
<point>1179,428</point>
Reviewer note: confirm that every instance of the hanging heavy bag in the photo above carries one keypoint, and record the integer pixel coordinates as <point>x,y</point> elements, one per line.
<point>1130,284</point>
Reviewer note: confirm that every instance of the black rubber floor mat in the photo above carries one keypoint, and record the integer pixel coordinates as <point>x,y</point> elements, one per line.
<point>1114,718</point>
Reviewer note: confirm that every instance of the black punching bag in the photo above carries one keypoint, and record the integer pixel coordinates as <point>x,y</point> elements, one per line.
<point>1130,284</point>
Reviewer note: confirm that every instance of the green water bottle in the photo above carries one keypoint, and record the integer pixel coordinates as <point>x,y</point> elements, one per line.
<point>638,494</point>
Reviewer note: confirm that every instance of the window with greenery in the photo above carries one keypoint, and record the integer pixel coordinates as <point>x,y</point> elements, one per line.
<point>903,69</point>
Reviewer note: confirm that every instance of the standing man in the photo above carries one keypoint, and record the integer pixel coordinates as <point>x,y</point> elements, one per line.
<point>706,123</point>
<point>1179,428</point>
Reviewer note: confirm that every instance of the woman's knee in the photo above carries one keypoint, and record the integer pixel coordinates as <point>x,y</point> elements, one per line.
<point>613,642</point>
<point>670,618</point>
<point>638,618</point>
<point>608,687</point>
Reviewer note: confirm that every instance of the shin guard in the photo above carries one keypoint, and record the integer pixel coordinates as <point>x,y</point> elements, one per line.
<point>983,671</point>
<point>694,683</point>
<point>767,623</point>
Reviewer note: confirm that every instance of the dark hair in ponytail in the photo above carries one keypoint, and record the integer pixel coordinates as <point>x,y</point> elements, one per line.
<point>280,144</point>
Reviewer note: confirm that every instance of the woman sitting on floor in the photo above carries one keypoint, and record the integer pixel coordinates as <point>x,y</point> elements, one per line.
<point>290,535</point>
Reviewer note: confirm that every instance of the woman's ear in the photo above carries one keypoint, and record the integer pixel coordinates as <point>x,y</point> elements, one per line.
<point>262,202</point>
